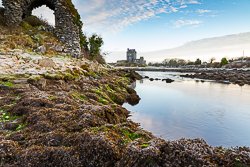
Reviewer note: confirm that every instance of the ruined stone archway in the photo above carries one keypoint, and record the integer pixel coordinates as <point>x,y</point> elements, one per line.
<point>67,20</point>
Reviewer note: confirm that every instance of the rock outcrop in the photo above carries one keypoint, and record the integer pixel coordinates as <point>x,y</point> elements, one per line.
<point>67,20</point>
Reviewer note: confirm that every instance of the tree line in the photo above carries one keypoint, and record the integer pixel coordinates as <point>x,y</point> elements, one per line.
<point>175,62</point>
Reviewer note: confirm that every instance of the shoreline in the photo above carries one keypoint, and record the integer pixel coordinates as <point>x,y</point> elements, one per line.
<point>74,117</point>
<point>52,131</point>
<point>185,69</point>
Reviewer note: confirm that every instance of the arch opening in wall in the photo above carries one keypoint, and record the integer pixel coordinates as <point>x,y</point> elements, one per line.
<point>45,13</point>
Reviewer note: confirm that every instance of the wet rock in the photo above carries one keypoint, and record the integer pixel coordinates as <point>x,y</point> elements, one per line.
<point>151,79</point>
<point>146,77</point>
<point>168,80</point>
<point>133,99</point>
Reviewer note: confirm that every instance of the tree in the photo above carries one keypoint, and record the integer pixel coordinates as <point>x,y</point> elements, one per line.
<point>212,59</point>
<point>172,62</point>
<point>181,62</point>
<point>223,61</point>
<point>95,43</point>
<point>197,62</point>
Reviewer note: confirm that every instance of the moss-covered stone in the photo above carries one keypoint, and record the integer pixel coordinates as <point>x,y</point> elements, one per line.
<point>68,77</point>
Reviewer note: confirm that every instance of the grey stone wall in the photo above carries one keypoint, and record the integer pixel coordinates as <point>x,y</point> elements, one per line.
<point>66,30</point>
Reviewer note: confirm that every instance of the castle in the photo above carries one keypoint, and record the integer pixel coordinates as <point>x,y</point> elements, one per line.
<point>131,58</point>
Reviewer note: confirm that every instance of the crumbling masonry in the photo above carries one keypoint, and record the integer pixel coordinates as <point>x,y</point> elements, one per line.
<point>66,19</point>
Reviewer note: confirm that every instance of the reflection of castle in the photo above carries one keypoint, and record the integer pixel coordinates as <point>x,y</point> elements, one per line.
<point>131,58</point>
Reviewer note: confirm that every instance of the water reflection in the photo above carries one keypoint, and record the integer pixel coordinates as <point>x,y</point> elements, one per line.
<point>219,113</point>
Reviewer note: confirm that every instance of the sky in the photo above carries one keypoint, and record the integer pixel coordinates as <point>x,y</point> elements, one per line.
<point>153,26</point>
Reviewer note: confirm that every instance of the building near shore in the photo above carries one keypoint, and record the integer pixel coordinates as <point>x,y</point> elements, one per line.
<point>131,58</point>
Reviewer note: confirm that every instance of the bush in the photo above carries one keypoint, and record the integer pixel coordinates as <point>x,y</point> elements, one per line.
<point>2,18</point>
<point>36,21</point>
<point>224,61</point>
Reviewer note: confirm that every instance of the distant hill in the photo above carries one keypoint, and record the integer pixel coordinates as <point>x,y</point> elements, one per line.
<point>224,46</point>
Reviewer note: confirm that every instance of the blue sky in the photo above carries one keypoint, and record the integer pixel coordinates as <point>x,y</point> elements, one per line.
<point>152,25</point>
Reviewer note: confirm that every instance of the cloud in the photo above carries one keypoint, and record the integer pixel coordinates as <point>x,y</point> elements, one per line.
<point>180,23</point>
<point>110,16</point>
<point>203,11</point>
<point>113,16</point>
<point>183,6</point>
<point>46,13</point>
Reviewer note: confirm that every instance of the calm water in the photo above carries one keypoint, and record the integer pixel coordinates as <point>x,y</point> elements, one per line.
<point>188,108</point>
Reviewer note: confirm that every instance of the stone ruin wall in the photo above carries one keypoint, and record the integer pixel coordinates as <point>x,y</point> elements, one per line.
<point>65,28</point>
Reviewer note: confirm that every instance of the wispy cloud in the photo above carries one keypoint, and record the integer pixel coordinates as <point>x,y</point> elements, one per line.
<point>180,23</point>
<point>183,6</point>
<point>113,15</point>
<point>201,11</point>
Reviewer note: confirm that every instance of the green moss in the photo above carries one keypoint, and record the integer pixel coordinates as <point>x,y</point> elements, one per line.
<point>34,78</point>
<point>112,97</point>
<point>51,98</point>
<point>103,101</point>
<point>7,117</point>
<point>97,91</point>
<point>111,90</point>
<point>21,126</point>
<point>68,77</point>
<point>81,97</point>
<point>93,74</point>
<point>114,105</point>
<point>8,84</point>
<point>74,95</point>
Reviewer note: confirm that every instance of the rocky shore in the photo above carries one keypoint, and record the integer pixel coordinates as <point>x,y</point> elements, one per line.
<point>71,115</point>
<point>236,77</point>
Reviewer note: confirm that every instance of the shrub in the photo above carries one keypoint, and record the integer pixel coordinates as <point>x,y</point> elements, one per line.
<point>35,21</point>
<point>224,61</point>
<point>2,18</point>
